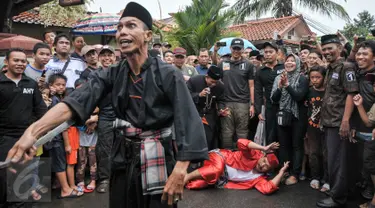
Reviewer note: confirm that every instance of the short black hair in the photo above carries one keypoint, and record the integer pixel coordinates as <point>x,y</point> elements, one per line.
<point>52,79</point>
<point>10,51</point>
<point>45,33</point>
<point>317,53</point>
<point>75,37</point>
<point>79,82</point>
<point>368,44</point>
<point>59,36</point>
<point>39,46</point>
<point>321,69</point>
<point>168,51</point>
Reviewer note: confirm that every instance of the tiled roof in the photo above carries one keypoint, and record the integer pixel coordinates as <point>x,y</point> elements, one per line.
<point>264,29</point>
<point>32,17</point>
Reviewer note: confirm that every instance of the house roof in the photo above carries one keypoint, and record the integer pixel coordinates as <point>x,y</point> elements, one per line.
<point>32,17</point>
<point>18,41</point>
<point>263,29</point>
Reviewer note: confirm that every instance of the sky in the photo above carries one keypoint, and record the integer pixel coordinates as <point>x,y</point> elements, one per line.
<point>353,7</point>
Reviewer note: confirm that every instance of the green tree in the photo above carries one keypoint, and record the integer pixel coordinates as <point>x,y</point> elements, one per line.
<point>52,12</point>
<point>282,8</point>
<point>360,26</point>
<point>201,24</point>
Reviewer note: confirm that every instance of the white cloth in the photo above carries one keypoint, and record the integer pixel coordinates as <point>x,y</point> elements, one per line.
<point>72,72</point>
<point>239,175</point>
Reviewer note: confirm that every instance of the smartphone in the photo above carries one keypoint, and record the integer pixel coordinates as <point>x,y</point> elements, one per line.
<point>361,39</point>
<point>221,44</point>
<point>43,73</point>
<point>370,77</point>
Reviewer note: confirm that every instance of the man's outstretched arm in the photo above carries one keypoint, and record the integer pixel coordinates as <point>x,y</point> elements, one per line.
<point>54,117</point>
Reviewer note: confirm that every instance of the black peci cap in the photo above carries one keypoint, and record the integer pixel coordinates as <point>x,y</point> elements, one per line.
<point>215,72</point>
<point>136,10</point>
<point>327,39</point>
<point>254,53</point>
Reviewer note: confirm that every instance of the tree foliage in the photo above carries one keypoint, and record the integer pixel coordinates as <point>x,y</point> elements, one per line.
<point>360,26</point>
<point>52,12</point>
<point>282,8</point>
<point>201,24</point>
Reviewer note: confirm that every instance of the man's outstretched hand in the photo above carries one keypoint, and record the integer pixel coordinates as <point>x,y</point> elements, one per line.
<point>285,167</point>
<point>174,188</point>
<point>273,146</point>
<point>23,148</point>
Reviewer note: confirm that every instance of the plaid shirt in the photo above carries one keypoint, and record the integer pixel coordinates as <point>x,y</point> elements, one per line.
<point>153,164</point>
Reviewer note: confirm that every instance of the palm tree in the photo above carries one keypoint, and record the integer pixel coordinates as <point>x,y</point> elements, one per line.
<point>282,8</point>
<point>201,24</point>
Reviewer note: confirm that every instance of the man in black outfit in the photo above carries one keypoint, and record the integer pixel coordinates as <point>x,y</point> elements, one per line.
<point>151,96</point>
<point>207,92</point>
<point>264,79</point>
<point>20,102</point>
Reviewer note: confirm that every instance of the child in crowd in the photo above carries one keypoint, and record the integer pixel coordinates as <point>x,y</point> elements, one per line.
<point>71,143</point>
<point>57,85</point>
<point>88,138</point>
<point>315,144</point>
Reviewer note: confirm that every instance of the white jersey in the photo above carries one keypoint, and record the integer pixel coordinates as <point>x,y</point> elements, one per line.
<point>72,72</point>
<point>240,175</point>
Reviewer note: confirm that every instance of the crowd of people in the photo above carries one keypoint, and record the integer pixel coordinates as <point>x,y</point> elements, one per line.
<point>319,115</point>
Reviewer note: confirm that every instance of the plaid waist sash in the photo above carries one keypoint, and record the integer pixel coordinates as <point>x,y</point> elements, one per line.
<point>153,163</point>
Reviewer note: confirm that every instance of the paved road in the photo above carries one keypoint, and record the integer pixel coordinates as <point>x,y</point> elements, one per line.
<point>297,196</point>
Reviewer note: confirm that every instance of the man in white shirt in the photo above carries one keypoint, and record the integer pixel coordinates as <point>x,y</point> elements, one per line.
<point>62,63</point>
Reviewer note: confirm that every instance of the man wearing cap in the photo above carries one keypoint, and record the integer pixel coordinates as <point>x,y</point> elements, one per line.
<point>105,126</point>
<point>179,62</point>
<point>207,92</point>
<point>166,47</point>
<point>91,59</point>
<point>242,169</point>
<point>246,52</point>
<point>148,96</point>
<point>340,84</point>
<point>107,56</point>
<point>238,78</point>
<point>156,46</point>
<point>264,79</point>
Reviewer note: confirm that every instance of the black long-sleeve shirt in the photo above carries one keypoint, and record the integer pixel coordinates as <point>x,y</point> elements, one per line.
<point>264,79</point>
<point>165,100</point>
<point>196,84</point>
<point>20,105</point>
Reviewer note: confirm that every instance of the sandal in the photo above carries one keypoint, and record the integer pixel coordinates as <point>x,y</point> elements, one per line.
<point>89,189</point>
<point>325,188</point>
<point>41,189</point>
<point>314,184</point>
<point>291,181</point>
<point>35,195</point>
<point>73,194</point>
<point>103,187</point>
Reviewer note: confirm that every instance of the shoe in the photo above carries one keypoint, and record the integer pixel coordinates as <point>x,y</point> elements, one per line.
<point>368,193</point>
<point>328,203</point>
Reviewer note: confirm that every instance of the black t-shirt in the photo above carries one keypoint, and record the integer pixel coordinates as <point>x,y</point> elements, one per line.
<point>236,80</point>
<point>135,89</point>
<point>315,101</point>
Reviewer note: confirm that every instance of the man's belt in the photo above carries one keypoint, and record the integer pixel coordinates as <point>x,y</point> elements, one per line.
<point>153,164</point>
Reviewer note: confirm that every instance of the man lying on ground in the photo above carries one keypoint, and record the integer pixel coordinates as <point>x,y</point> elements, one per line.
<point>242,169</point>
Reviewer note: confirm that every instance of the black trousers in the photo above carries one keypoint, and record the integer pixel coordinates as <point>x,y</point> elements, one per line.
<point>341,156</point>
<point>103,149</point>
<point>271,124</point>
<point>211,131</point>
<point>125,189</point>
<point>369,157</point>
<point>317,152</point>
<point>6,143</point>
<point>291,146</point>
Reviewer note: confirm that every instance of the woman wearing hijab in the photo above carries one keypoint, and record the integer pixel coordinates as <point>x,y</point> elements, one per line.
<point>289,90</point>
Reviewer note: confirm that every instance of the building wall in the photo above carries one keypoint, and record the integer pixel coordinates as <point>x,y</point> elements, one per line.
<point>299,32</point>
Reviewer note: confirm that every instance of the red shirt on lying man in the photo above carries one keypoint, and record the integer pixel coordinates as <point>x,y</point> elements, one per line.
<point>242,169</point>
